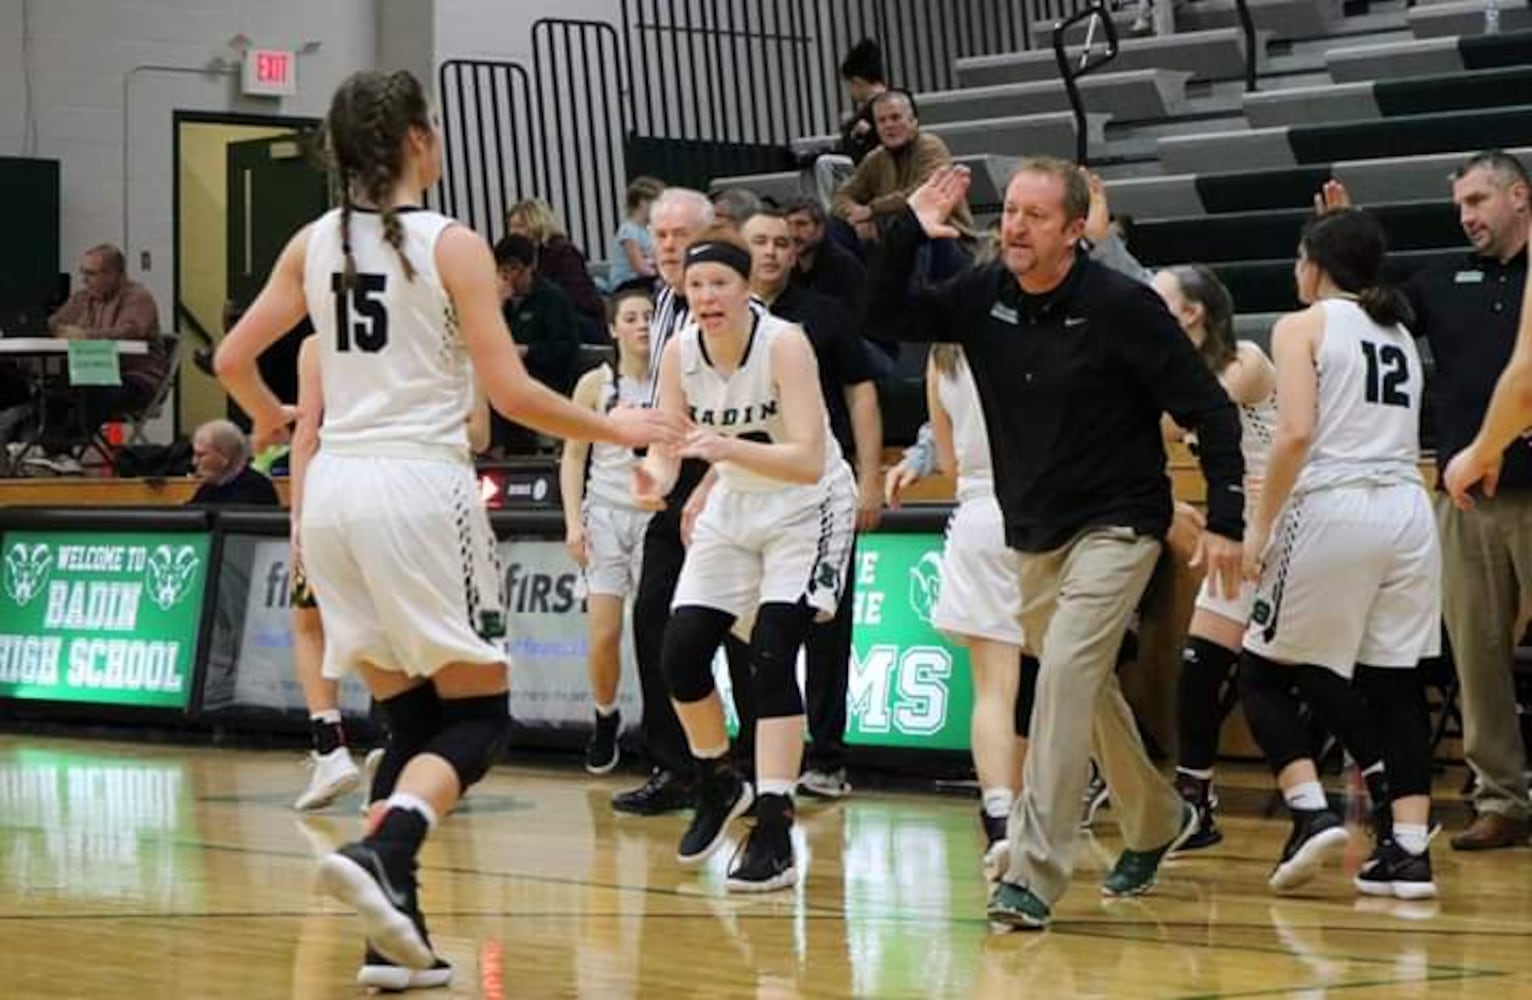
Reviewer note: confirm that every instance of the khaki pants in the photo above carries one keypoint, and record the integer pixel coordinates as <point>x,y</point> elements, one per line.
<point>1486,567</point>
<point>1077,599</point>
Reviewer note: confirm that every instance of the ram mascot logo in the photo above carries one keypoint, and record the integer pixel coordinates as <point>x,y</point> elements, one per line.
<point>26,571</point>
<point>926,585</point>
<point>169,574</point>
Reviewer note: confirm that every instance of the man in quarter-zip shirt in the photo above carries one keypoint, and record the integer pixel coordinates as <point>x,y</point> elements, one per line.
<point>1074,365</point>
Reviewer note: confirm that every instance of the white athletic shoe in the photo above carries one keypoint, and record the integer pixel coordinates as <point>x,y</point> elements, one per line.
<point>369,768</point>
<point>334,774</point>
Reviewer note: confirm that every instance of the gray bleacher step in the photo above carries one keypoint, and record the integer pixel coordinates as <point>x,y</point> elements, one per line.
<point>1420,57</point>
<point>1233,91</point>
<point>990,173</point>
<point>1466,17</point>
<point>1207,54</point>
<point>1315,48</point>
<point>1185,125</point>
<point>1146,93</point>
<point>1333,102</point>
<point>1256,327</point>
<point>1284,18</point>
<point>1053,134</point>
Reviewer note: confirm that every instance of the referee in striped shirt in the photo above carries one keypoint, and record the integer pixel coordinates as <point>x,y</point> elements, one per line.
<point>676,219</point>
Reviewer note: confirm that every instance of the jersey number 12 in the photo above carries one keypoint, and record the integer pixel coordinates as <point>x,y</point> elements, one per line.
<point>369,330</point>
<point>1388,368</point>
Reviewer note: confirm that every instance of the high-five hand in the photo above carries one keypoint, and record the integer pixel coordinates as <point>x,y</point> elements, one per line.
<point>934,201</point>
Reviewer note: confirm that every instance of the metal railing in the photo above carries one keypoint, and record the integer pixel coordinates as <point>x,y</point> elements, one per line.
<point>490,140</point>
<point>1090,60</point>
<point>1252,52</point>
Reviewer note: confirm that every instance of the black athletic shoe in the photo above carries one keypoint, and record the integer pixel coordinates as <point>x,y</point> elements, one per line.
<point>380,885</point>
<point>1318,834</point>
<point>1393,871</point>
<point>602,752</point>
<point>378,973</point>
<point>664,792</point>
<point>764,863</point>
<point>997,849</point>
<point>1198,793</point>
<point>722,797</point>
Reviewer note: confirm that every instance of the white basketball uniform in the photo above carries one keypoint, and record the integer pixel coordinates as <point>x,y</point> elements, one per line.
<point>1257,428</point>
<point>393,532</point>
<point>980,593</point>
<point>758,539</point>
<point>1354,571</point>
<point>614,525</point>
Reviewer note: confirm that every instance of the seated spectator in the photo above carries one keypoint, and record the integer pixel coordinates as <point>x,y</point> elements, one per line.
<point>862,73</point>
<point>632,247</point>
<point>823,265</point>
<point>221,460</point>
<point>542,323</point>
<point>732,206</point>
<point>108,307</point>
<point>904,159</point>
<point>561,262</point>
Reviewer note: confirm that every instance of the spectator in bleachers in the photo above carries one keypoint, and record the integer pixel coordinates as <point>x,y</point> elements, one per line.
<point>823,265</point>
<point>1155,17</point>
<point>561,262</point>
<point>633,249</point>
<point>904,159</point>
<point>732,206</point>
<point>221,460</point>
<point>862,73</point>
<point>110,306</point>
<point>542,323</point>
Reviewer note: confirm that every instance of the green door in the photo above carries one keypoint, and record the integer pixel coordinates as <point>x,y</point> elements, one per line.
<point>275,188</point>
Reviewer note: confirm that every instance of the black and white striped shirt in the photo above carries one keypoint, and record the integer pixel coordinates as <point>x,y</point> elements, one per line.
<point>670,315</point>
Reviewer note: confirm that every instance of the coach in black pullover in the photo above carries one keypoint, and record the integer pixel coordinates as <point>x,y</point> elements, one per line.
<point>1073,378</point>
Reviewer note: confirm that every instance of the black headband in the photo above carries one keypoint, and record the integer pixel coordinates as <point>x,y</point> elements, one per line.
<point>719,252</point>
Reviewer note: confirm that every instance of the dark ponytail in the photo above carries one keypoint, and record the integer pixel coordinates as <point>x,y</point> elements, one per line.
<point>1349,245</point>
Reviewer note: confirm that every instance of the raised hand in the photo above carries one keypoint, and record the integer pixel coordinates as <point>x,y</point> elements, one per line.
<point>934,201</point>
<point>1332,196</point>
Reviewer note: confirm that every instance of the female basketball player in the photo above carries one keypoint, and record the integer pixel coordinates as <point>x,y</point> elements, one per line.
<point>603,526</point>
<point>405,310</point>
<point>1203,307</point>
<point>979,605</point>
<point>768,552</point>
<point>1344,547</point>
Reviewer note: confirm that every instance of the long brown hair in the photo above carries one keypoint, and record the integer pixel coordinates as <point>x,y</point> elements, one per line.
<point>1199,285</point>
<point>370,117</point>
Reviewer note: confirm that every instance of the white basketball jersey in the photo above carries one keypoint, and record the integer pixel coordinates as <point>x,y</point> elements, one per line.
<point>959,396</point>
<point>610,481</point>
<point>744,403</point>
<point>396,375</point>
<point>1370,384</point>
<point>1257,429</point>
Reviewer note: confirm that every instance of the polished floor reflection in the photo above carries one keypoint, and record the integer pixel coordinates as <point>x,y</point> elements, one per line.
<point>136,871</point>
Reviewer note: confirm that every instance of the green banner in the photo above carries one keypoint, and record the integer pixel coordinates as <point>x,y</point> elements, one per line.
<point>110,618</point>
<point>94,362</point>
<point>909,686</point>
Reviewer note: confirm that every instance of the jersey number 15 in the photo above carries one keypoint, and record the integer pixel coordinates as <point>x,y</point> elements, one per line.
<point>368,331</point>
<point>1388,368</point>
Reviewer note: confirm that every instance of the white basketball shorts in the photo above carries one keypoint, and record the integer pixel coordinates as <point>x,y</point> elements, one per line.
<point>614,548</point>
<point>1354,575</point>
<point>755,547</point>
<point>980,595</point>
<point>403,552</point>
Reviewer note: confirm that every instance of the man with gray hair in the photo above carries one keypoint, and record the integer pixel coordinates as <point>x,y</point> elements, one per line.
<point>732,206</point>
<point>676,219</point>
<point>221,460</point>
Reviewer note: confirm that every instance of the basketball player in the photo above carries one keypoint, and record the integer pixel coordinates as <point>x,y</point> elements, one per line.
<point>979,606</point>
<point>603,528</point>
<point>768,552</point>
<point>1205,310</point>
<point>1344,545</point>
<point>405,311</point>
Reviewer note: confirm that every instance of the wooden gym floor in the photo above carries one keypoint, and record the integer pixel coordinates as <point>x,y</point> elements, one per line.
<point>131,870</point>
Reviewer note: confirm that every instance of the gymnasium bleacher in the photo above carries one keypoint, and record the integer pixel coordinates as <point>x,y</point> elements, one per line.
<point>1387,99</point>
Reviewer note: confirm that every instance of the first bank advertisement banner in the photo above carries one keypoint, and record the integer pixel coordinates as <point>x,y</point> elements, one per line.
<point>110,618</point>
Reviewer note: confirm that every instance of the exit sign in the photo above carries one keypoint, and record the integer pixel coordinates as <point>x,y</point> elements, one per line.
<point>270,72</point>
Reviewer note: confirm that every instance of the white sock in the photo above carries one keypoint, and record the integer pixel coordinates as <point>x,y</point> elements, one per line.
<point>998,801</point>
<point>404,800</point>
<point>711,753</point>
<point>606,711</point>
<point>1201,774</point>
<point>1413,837</point>
<point>1309,795</point>
<point>775,786</point>
<point>331,715</point>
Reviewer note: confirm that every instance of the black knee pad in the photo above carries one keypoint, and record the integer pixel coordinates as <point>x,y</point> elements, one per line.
<point>774,644</point>
<point>473,735</point>
<point>1026,696</point>
<point>691,638</point>
<point>413,719</point>
<point>1396,703</point>
<point>1271,709</point>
